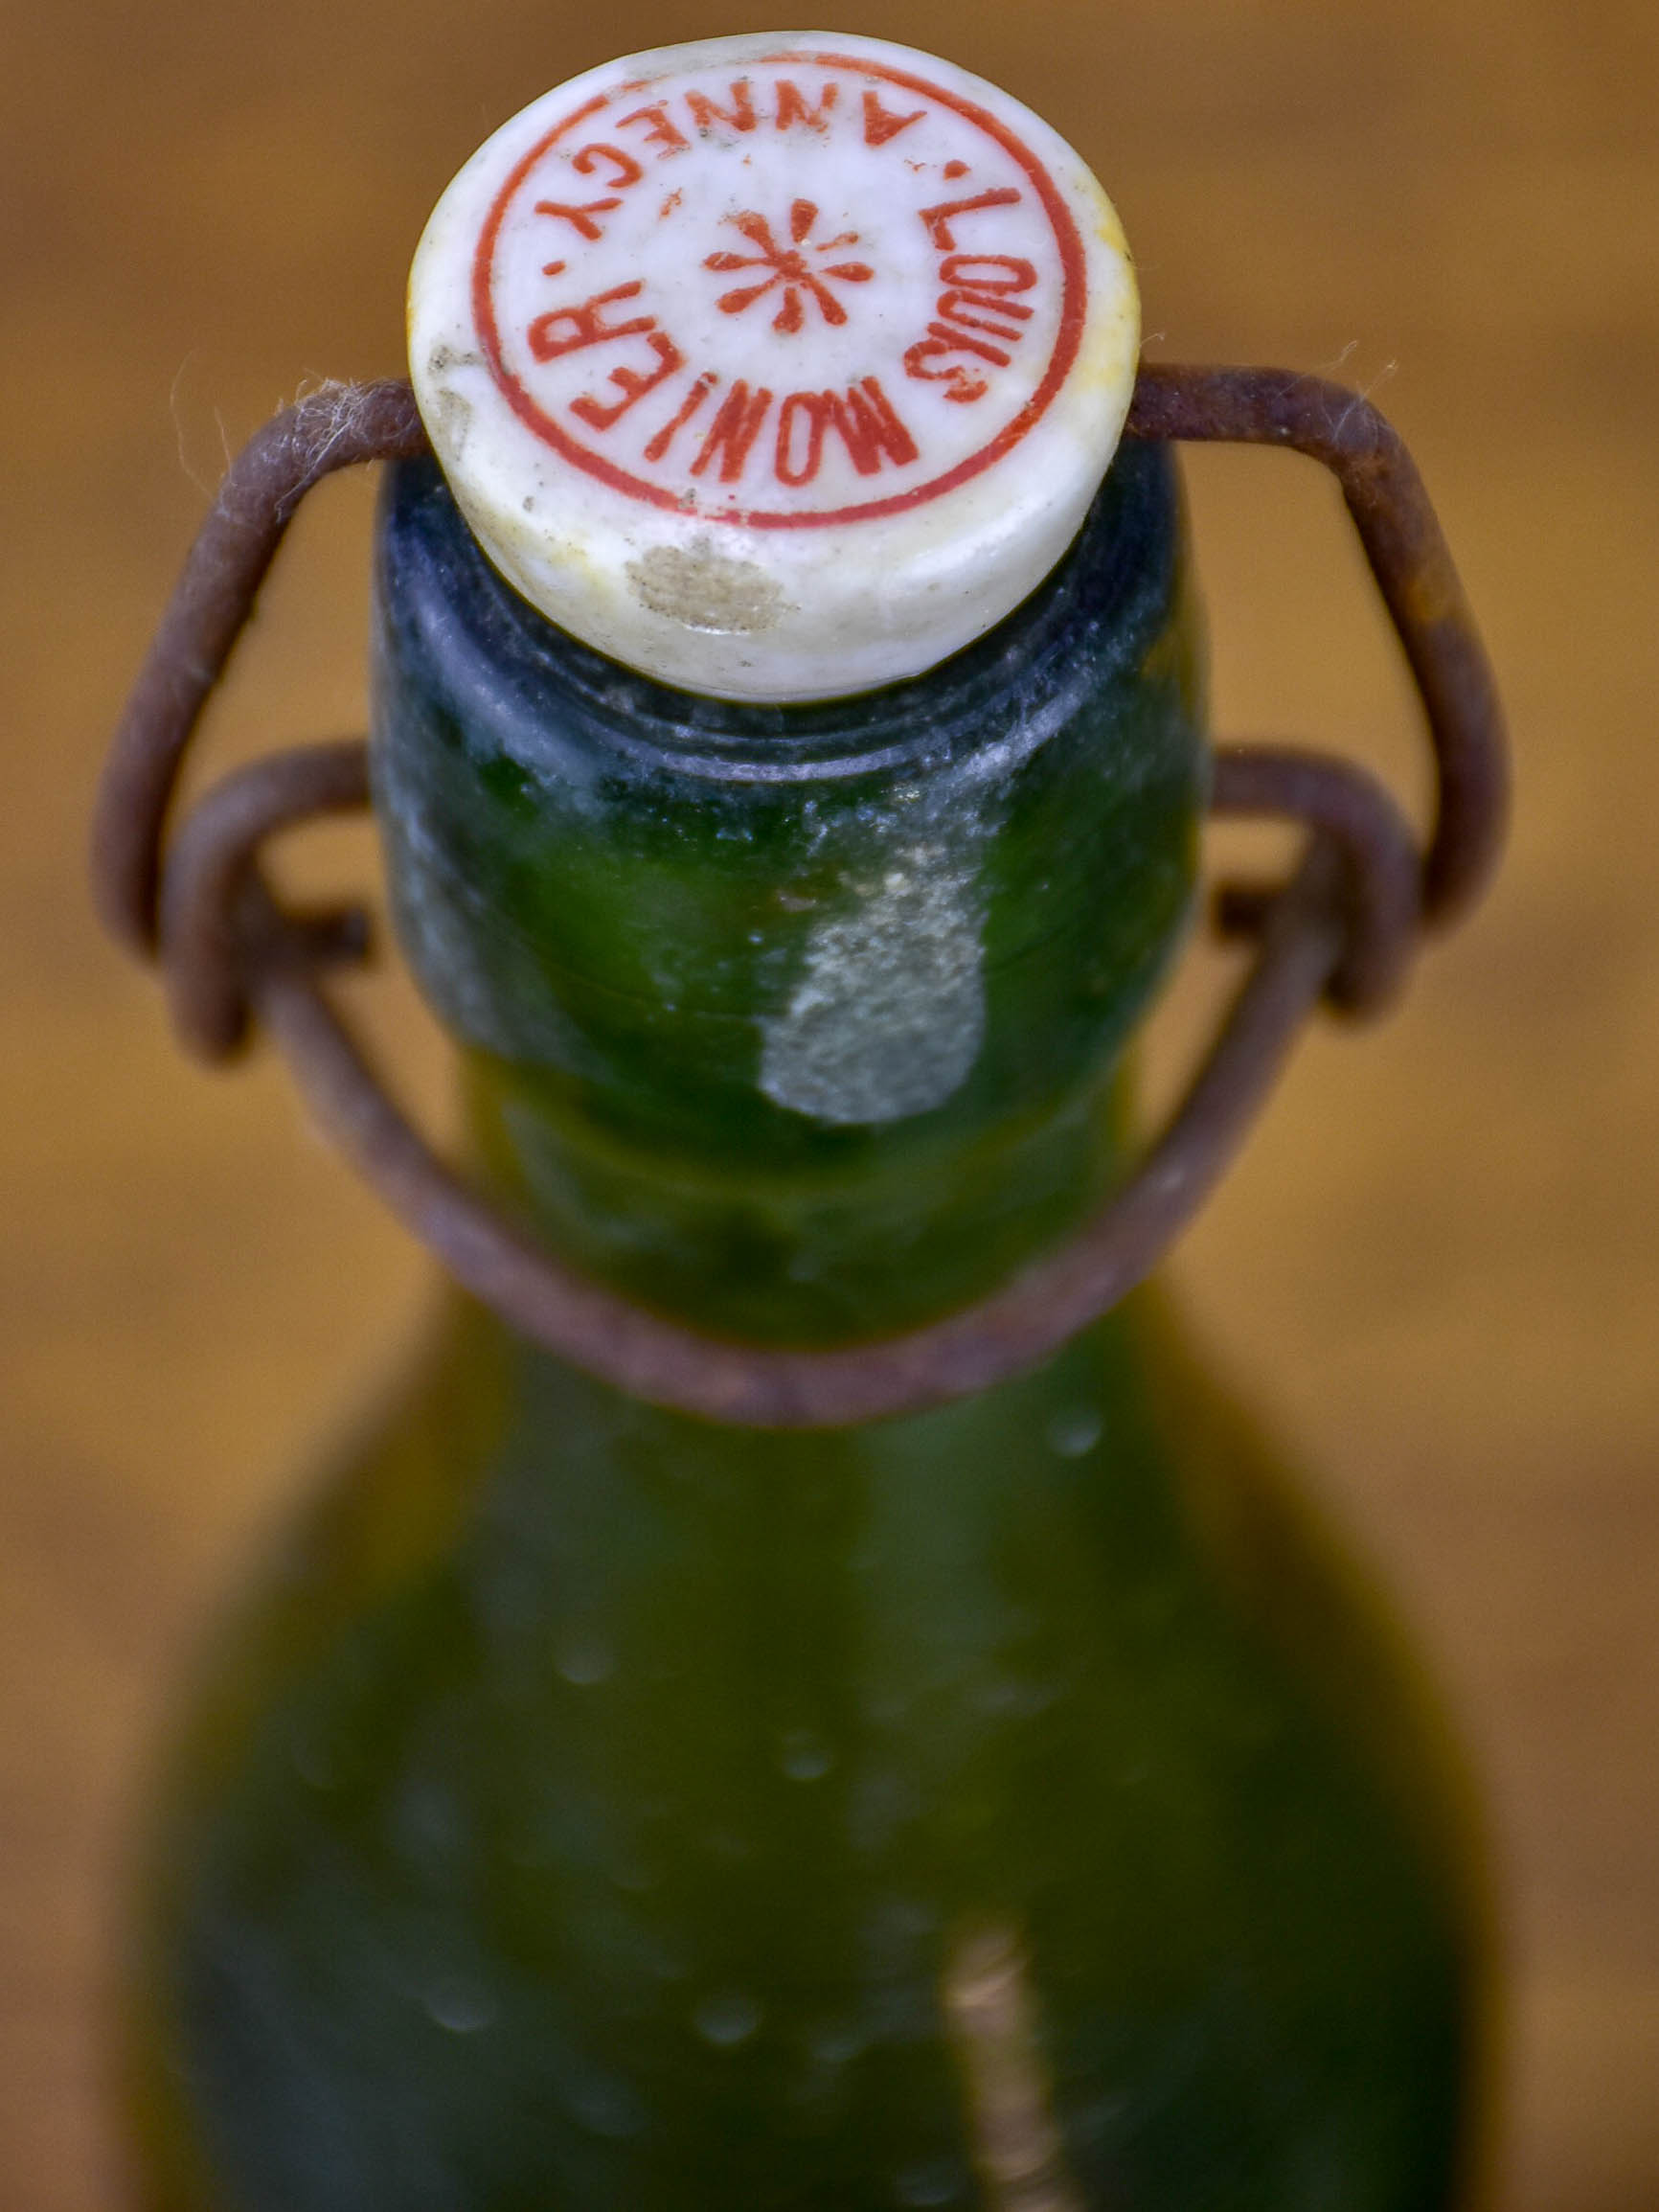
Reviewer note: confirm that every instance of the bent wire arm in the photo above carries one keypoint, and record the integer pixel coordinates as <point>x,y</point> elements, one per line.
<point>1343,928</point>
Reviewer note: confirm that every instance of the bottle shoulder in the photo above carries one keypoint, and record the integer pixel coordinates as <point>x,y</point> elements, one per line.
<point>707,1745</point>
<point>1116,1512</point>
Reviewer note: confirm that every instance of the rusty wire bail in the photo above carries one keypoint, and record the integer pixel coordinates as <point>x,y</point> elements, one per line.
<point>1342,929</point>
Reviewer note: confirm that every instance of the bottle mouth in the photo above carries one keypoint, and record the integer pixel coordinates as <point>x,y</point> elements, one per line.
<point>1101,607</point>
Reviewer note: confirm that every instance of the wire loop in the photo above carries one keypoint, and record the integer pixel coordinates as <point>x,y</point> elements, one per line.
<point>1343,928</point>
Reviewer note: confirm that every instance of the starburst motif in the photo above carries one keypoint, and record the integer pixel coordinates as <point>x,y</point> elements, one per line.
<point>788,268</point>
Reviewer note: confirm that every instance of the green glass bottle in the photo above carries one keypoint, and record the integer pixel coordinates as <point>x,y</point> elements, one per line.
<point>1017,1805</point>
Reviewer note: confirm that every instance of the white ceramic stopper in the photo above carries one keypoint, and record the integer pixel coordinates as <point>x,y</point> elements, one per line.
<point>778,366</point>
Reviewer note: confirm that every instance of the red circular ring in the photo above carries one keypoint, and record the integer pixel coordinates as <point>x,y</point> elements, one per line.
<point>1069,336</point>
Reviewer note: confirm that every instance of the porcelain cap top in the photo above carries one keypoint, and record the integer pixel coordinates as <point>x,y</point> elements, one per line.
<point>778,367</point>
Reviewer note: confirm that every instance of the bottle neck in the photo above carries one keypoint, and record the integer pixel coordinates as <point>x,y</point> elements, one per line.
<point>811,1253</point>
<point>802,1022</point>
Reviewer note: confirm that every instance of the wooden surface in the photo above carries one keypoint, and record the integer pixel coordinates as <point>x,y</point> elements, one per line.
<point>1437,1268</point>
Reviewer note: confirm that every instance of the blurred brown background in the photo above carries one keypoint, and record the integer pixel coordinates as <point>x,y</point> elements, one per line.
<point>1437,1267</point>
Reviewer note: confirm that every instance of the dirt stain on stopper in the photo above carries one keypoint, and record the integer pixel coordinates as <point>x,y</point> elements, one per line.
<point>888,1017</point>
<point>704,590</point>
